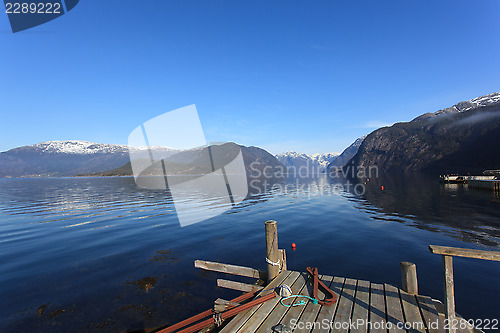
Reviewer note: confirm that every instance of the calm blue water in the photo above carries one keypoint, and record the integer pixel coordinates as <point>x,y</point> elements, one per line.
<point>86,254</point>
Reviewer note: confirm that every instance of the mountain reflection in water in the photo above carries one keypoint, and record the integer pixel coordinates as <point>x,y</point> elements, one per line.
<point>80,254</point>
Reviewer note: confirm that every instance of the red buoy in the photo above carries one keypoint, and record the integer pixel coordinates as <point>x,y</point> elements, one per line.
<point>382,187</point>
<point>294,246</point>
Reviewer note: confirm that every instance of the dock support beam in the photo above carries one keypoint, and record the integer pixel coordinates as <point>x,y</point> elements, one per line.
<point>449,292</point>
<point>273,255</point>
<point>409,277</point>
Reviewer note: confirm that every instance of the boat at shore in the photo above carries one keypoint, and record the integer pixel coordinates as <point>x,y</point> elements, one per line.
<point>489,180</point>
<point>453,179</point>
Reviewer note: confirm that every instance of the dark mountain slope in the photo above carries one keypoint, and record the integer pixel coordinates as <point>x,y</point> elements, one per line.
<point>346,155</point>
<point>461,139</point>
<point>196,162</point>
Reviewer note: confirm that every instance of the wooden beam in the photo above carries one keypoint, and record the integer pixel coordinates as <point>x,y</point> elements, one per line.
<point>221,301</point>
<point>273,255</point>
<point>409,277</point>
<point>221,305</point>
<point>449,292</point>
<point>283,259</point>
<point>240,286</point>
<point>467,253</point>
<point>228,269</point>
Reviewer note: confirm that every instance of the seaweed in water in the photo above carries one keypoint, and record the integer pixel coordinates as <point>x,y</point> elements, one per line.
<point>42,308</point>
<point>164,256</point>
<point>145,283</point>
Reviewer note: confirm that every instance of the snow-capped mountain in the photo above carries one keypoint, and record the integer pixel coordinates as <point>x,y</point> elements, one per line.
<point>315,163</point>
<point>478,102</point>
<point>73,157</point>
<point>67,158</point>
<point>85,147</point>
<point>461,139</point>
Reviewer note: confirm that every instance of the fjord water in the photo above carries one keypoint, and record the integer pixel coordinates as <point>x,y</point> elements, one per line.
<point>80,254</point>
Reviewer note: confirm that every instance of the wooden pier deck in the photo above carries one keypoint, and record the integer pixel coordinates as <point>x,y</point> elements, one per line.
<point>361,306</point>
<point>370,307</point>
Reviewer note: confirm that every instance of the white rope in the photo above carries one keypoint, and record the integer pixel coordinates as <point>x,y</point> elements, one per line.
<point>277,263</point>
<point>217,319</point>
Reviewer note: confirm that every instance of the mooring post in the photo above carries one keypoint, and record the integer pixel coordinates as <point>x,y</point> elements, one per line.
<point>273,255</point>
<point>283,260</point>
<point>449,292</point>
<point>409,277</point>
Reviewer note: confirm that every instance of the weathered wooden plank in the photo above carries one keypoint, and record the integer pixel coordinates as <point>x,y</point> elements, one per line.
<point>361,307</point>
<point>449,291</point>
<point>467,253</point>
<point>344,310</point>
<point>308,316</point>
<point>377,309</point>
<point>395,319</point>
<point>266,308</point>
<point>327,313</point>
<point>434,323</point>
<point>283,259</point>
<point>222,305</point>
<point>279,311</point>
<point>240,286</point>
<point>228,269</point>
<point>441,309</point>
<point>412,312</point>
<point>238,321</point>
<point>221,301</point>
<point>292,315</point>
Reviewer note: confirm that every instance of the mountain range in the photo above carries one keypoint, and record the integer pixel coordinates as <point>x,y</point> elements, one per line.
<point>73,157</point>
<point>203,161</point>
<point>459,139</point>
<point>63,158</point>
<point>315,163</point>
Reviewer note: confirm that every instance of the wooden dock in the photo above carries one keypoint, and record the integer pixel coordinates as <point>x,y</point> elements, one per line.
<point>488,184</point>
<point>361,307</point>
<point>489,181</point>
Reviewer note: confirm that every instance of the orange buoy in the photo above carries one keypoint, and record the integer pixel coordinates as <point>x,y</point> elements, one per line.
<point>382,187</point>
<point>294,246</point>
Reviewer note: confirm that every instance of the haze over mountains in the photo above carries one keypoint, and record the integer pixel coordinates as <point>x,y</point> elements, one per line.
<point>460,139</point>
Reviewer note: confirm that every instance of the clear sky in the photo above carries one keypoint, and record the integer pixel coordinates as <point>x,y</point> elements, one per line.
<point>309,76</point>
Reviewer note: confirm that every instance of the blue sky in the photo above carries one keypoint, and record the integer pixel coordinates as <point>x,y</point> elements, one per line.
<point>309,76</point>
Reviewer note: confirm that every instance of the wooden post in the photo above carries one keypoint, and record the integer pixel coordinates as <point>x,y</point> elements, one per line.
<point>449,293</point>
<point>409,277</point>
<point>273,255</point>
<point>283,260</point>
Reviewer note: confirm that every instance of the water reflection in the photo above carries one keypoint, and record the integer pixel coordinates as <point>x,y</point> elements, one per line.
<point>472,216</point>
<point>78,254</point>
<point>418,200</point>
